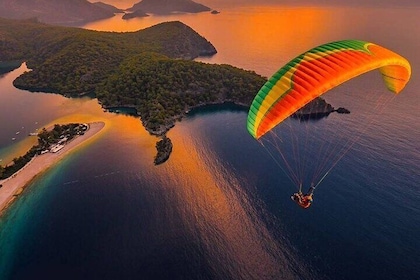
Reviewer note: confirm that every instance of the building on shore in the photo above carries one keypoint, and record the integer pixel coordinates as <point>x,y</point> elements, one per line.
<point>56,148</point>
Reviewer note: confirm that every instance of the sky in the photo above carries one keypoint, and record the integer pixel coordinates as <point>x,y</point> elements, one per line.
<point>223,3</point>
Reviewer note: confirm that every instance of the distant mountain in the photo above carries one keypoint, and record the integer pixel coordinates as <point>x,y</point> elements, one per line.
<point>108,7</point>
<point>169,6</point>
<point>62,12</point>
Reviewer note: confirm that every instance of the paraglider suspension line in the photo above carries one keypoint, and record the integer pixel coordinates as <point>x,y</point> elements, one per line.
<point>281,167</point>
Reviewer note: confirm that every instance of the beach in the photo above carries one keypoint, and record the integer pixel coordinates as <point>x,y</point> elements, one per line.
<point>14,185</point>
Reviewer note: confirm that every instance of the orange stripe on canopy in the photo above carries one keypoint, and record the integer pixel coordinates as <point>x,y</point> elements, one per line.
<point>318,70</point>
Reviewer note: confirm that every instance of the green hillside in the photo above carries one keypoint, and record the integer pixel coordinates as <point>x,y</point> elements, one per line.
<point>151,69</point>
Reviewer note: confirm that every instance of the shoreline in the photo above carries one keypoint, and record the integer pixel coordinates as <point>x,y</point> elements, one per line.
<point>190,110</point>
<point>15,184</point>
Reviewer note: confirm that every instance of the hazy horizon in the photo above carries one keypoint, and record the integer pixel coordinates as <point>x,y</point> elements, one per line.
<point>226,3</point>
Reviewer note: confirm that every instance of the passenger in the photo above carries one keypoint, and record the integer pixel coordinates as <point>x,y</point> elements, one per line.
<point>302,200</point>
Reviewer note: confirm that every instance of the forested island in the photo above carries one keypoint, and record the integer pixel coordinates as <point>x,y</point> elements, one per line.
<point>167,7</point>
<point>135,14</point>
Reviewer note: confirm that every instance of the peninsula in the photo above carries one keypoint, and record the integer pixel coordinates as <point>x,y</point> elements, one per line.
<point>151,70</point>
<point>14,184</point>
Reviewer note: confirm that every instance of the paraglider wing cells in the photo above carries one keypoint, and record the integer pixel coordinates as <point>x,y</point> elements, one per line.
<point>318,70</point>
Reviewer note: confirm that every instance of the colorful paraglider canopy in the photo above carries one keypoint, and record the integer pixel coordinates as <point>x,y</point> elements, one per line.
<point>318,70</point>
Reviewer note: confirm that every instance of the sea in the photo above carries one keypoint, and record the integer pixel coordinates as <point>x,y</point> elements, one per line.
<point>220,207</point>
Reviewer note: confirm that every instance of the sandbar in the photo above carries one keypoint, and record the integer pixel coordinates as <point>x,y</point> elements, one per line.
<point>14,185</point>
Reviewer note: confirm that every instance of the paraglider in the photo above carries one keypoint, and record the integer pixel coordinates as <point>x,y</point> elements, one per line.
<point>315,72</point>
<point>304,200</point>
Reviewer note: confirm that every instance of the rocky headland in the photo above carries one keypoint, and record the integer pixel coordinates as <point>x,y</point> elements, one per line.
<point>164,150</point>
<point>317,109</point>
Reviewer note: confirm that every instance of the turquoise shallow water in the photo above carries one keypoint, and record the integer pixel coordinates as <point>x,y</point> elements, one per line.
<point>220,207</point>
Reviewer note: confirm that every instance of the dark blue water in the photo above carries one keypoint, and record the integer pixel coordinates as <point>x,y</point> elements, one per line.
<point>220,207</point>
